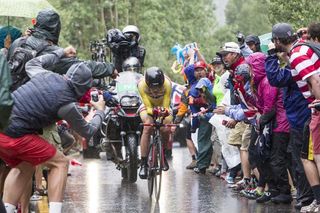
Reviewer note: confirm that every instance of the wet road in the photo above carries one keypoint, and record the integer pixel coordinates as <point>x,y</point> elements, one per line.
<point>97,187</point>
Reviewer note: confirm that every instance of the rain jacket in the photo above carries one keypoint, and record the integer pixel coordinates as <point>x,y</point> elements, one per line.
<point>295,104</point>
<point>6,101</point>
<point>269,99</point>
<point>47,29</point>
<point>49,97</point>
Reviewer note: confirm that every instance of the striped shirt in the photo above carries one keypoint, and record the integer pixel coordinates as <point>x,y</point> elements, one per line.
<point>304,63</point>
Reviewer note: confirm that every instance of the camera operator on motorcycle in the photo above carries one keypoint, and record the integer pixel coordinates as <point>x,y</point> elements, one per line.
<point>155,91</point>
<point>131,34</point>
<point>45,99</point>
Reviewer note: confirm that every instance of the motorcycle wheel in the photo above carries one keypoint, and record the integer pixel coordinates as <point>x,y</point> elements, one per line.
<point>132,169</point>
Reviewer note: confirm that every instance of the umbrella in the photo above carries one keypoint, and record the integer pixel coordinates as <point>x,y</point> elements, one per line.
<point>265,39</point>
<point>23,8</point>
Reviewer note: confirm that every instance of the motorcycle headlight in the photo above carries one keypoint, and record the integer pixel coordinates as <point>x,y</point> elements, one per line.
<point>129,101</point>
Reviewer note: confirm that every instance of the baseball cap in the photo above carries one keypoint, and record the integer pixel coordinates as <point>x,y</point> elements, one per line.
<point>282,30</point>
<point>229,47</point>
<point>252,38</point>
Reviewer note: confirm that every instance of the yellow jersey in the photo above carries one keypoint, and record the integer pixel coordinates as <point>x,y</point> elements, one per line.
<point>161,98</point>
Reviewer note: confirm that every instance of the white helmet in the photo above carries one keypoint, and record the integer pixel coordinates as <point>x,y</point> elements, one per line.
<point>132,29</point>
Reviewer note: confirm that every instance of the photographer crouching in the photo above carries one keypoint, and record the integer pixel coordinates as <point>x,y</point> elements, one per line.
<point>45,99</point>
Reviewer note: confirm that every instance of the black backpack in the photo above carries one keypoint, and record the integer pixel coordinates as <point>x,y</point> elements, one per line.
<point>17,62</point>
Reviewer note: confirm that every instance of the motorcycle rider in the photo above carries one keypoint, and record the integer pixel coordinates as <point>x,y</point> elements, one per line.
<point>155,91</point>
<point>132,64</point>
<point>132,35</point>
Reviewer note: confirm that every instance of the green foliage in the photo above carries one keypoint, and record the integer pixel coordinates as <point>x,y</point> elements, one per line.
<point>165,22</point>
<point>299,13</point>
<point>248,16</point>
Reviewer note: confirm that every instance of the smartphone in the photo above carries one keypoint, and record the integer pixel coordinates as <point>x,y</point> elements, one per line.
<point>94,96</point>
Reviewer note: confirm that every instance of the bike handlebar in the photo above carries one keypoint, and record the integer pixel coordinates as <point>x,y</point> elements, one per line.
<point>163,125</point>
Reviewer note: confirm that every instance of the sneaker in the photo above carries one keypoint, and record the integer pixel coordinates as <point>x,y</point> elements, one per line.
<point>239,185</point>
<point>143,173</point>
<point>282,198</point>
<point>192,165</point>
<point>266,197</point>
<point>251,194</point>
<point>200,171</point>
<point>41,192</point>
<point>313,207</point>
<point>230,180</point>
<point>35,197</point>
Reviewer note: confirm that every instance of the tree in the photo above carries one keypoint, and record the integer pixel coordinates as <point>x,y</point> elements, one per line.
<point>248,16</point>
<point>298,13</point>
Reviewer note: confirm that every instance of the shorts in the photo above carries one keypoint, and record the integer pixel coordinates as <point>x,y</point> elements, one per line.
<point>29,148</point>
<point>245,142</point>
<point>236,134</point>
<point>315,131</point>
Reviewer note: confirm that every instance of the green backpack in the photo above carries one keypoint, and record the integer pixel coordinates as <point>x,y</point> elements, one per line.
<point>6,101</point>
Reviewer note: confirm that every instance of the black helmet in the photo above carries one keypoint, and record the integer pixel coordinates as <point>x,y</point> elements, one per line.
<point>154,77</point>
<point>252,39</point>
<point>131,64</point>
<point>131,29</point>
<point>282,30</point>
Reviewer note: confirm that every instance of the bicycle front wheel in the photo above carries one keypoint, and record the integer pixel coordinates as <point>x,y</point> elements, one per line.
<point>158,175</point>
<point>152,165</point>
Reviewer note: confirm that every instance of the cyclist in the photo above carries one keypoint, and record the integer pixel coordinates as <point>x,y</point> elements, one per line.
<point>155,91</point>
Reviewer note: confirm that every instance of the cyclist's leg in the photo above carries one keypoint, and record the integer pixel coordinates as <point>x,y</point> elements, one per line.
<point>165,131</point>
<point>165,135</point>
<point>144,143</point>
<point>147,130</point>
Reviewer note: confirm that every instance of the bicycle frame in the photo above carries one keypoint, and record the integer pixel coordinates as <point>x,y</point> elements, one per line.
<point>156,157</point>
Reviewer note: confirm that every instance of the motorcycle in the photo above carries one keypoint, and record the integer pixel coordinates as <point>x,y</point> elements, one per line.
<point>121,127</point>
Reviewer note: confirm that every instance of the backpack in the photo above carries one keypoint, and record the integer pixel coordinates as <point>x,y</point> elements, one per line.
<point>17,62</point>
<point>314,46</point>
<point>6,102</point>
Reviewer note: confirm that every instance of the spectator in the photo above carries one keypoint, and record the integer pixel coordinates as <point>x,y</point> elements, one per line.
<point>253,43</point>
<point>298,114</point>
<point>232,58</point>
<point>304,64</point>
<point>270,105</point>
<point>20,145</point>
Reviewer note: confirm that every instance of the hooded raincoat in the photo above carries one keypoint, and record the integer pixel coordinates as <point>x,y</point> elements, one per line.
<point>269,99</point>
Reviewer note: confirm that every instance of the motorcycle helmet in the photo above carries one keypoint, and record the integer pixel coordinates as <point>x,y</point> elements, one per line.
<point>131,64</point>
<point>154,77</point>
<point>200,64</point>
<point>130,31</point>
